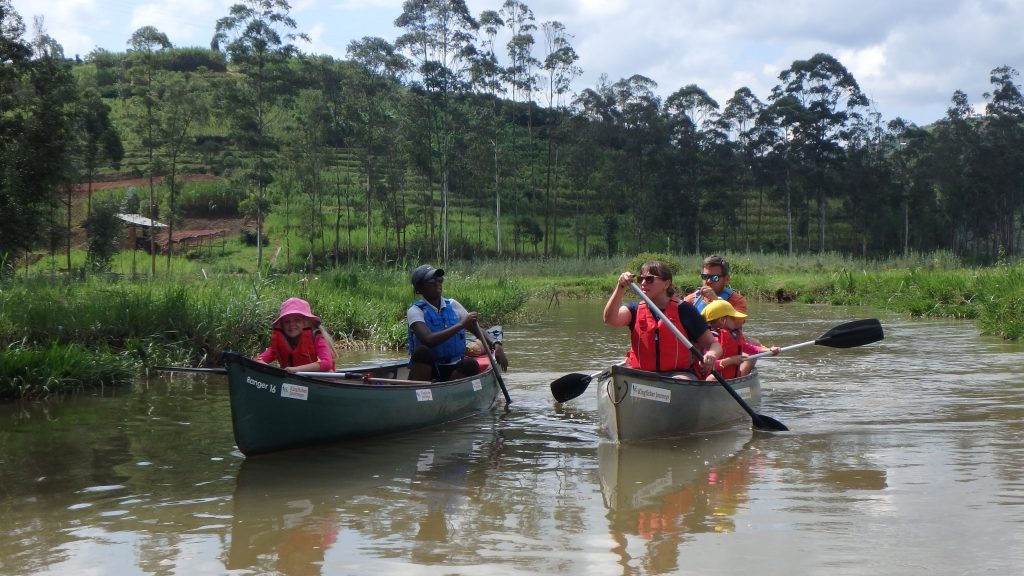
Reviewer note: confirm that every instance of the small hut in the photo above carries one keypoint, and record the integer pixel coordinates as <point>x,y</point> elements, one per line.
<point>138,230</point>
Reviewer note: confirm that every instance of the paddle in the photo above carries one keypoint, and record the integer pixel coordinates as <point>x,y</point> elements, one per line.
<point>494,364</point>
<point>759,421</point>
<point>190,370</point>
<point>224,371</point>
<point>339,373</point>
<point>847,335</point>
<point>572,385</point>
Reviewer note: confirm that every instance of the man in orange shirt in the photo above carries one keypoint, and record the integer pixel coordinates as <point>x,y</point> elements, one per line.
<point>714,285</point>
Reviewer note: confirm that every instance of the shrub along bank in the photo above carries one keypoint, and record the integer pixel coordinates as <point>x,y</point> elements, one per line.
<point>62,334</point>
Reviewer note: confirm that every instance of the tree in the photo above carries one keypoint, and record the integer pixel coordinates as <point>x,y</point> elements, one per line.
<point>1002,156</point>
<point>909,144</point>
<point>20,206</point>
<point>104,231</point>
<point>739,119</point>
<point>257,36</point>
<point>100,144</point>
<point>487,73</point>
<point>183,103</point>
<point>822,97</point>
<point>634,159</point>
<point>437,37</point>
<point>561,68</point>
<point>376,125</point>
<point>522,81</point>
<point>693,117</point>
<point>953,161</point>
<point>44,150</point>
<point>144,54</point>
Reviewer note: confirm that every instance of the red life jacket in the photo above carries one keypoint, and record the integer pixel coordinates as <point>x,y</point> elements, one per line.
<point>303,353</point>
<point>655,348</point>
<point>732,345</point>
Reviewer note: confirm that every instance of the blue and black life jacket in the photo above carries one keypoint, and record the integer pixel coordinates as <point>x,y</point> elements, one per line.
<point>451,350</point>
<point>699,303</point>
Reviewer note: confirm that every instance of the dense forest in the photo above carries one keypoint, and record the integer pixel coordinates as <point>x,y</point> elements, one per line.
<point>465,138</point>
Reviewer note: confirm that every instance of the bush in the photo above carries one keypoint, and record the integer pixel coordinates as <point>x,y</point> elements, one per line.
<point>104,234</point>
<point>192,59</point>
<point>673,262</point>
<point>248,236</point>
<point>210,200</point>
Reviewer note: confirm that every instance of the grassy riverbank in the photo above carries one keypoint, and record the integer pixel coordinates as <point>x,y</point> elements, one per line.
<point>61,334</point>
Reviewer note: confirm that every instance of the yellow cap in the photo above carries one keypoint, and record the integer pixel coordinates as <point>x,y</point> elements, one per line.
<point>720,308</point>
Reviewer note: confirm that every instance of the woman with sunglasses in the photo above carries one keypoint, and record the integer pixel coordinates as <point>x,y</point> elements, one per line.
<point>654,347</point>
<point>715,285</point>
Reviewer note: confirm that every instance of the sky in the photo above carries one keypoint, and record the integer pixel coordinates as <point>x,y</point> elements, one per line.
<point>908,56</point>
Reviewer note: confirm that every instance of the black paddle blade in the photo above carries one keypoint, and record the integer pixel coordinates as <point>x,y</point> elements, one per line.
<point>851,334</point>
<point>762,422</point>
<point>570,386</point>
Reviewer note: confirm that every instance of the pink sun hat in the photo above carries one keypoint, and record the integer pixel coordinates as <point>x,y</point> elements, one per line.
<point>295,306</point>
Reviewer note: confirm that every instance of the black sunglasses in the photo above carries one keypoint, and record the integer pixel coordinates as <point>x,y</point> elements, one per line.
<point>648,278</point>
<point>712,277</point>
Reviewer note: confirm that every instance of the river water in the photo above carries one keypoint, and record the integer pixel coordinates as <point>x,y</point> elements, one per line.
<point>904,458</point>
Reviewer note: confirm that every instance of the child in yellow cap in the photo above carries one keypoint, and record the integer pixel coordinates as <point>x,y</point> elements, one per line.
<point>727,325</point>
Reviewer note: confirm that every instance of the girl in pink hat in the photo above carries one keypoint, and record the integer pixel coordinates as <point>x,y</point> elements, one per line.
<point>298,342</point>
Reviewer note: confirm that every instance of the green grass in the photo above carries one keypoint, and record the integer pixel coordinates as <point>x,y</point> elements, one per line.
<point>191,315</point>
<point>29,372</point>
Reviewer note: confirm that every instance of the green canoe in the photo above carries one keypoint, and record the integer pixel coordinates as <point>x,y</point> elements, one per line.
<point>273,410</point>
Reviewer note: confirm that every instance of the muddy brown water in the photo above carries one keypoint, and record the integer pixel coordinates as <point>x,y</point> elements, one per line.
<point>904,458</point>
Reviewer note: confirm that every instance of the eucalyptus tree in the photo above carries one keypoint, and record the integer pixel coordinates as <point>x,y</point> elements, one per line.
<point>633,158</point>
<point>909,146</point>
<point>695,133</point>
<point>325,87</point>
<point>954,164</point>
<point>487,74</point>
<point>34,133</point>
<point>560,65</point>
<point>827,98</point>
<point>590,130</point>
<point>376,127</point>
<point>22,207</point>
<point>739,120</point>
<point>521,78</point>
<point>258,37</point>
<point>146,47</point>
<point>1002,155</point>
<point>867,187</point>
<point>99,144</point>
<point>184,104</point>
<point>779,157</point>
<point>51,133</point>
<point>437,37</point>
<point>307,156</point>
<point>102,143</point>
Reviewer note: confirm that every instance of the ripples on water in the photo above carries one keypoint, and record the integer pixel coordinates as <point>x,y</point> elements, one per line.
<point>904,458</point>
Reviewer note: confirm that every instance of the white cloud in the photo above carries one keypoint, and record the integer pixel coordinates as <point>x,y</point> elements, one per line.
<point>185,22</point>
<point>909,55</point>
<point>864,63</point>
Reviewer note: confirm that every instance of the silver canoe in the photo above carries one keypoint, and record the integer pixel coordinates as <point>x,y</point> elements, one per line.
<point>636,405</point>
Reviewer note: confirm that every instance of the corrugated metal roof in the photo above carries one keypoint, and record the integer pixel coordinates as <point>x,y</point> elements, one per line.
<point>139,220</point>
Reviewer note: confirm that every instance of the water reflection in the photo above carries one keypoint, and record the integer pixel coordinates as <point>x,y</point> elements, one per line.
<point>657,493</point>
<point>292,508</point>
